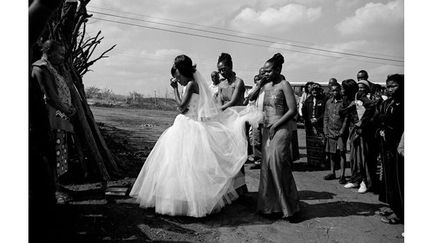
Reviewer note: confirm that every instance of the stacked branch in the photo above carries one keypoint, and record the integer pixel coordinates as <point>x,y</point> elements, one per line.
<point>68,26</point>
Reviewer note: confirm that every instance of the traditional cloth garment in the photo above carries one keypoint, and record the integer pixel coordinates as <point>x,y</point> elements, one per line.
<point>277,189</point>
<point>314,108</point>
<point>391,128</point>
<point>191,169</point>
<point>59,122</point>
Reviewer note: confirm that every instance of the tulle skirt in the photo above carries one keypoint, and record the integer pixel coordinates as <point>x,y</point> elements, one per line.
<point>191,168</point>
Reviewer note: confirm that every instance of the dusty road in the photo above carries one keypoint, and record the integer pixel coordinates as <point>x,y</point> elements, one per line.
<point>329,213</point>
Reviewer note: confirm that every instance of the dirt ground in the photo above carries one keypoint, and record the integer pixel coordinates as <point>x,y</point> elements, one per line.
<point>329,213</point>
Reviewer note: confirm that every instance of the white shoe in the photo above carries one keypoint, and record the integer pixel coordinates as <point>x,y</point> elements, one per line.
<point>350,185</point>
<point>362,188</point>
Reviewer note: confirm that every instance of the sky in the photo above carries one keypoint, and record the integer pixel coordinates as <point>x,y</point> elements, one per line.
<point>142,59</point>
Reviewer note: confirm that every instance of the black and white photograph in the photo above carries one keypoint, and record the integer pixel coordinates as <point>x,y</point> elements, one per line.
<point>215,121</point>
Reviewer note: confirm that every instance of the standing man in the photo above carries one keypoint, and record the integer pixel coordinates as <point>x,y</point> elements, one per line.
<point>255,133</point>
<point>375,89</point>
<point>214,87</point>
<point>376,99</point>
<point>331,82</point>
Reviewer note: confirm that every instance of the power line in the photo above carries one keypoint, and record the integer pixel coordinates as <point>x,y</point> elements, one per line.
<point>210,37</point>
<point>254,39</point>
<point>239,32</point>
<point>195,24</point>
<point>233,41</point>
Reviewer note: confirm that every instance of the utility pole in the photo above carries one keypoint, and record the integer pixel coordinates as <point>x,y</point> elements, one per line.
<point>166,97</point>
<point>155,97</point>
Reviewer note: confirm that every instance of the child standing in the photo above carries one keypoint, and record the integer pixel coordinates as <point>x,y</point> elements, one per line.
<point>335,133</point>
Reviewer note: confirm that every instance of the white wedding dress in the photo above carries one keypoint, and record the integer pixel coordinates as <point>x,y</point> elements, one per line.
<point>191,168</point>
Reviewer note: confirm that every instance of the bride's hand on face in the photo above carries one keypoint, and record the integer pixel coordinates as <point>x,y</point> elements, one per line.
<point>173,83</point>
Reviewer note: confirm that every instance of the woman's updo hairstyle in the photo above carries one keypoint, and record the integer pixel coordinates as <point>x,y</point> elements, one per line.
<point>225,58</point>
<point>277,60</point>
<point>184,65</point>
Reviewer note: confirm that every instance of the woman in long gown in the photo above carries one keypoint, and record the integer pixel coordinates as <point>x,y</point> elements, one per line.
<point>277,192</point>
<point>191,168</point>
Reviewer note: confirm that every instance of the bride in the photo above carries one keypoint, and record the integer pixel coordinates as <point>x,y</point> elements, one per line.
<point>191,168</point>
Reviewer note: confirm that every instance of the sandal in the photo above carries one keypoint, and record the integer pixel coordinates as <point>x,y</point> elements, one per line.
<point>392,219</point>
<point>62,198</point>
<point>384,212</point>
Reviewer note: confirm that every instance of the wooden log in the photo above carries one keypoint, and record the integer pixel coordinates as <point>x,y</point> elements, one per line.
<point>106,153</point>
<point>79,149</point>
<point>88,138</point>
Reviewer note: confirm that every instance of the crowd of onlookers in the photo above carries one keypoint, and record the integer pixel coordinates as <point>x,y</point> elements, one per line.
<point>368,119</point>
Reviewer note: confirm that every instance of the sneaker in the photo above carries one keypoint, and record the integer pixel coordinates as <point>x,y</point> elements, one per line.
<point>351,185</point>
<point>362,188</point>
<point>331,176</point>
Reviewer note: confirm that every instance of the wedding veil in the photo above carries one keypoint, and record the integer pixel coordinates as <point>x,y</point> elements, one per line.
<point>208,109</point>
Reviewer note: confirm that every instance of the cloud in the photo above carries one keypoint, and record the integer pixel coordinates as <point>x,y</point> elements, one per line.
<point>320,68</point>
<point>373,16</point>
<point>278,18</point>
<point>162,54</point>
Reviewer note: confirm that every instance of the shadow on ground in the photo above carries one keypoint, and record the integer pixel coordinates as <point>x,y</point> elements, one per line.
<point>118,221</point>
